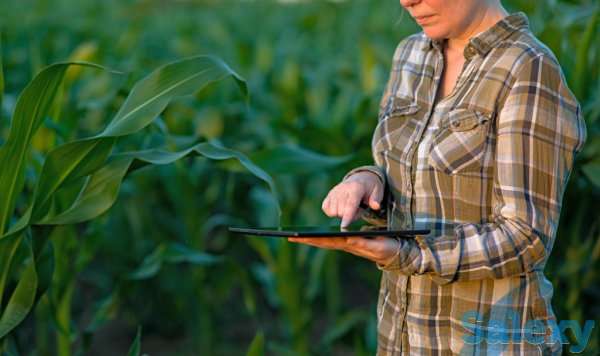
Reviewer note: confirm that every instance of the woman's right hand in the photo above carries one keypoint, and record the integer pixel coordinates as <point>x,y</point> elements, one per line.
<point>344,199</point>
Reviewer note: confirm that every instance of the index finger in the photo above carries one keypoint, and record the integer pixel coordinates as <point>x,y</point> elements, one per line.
<point>349,211</point>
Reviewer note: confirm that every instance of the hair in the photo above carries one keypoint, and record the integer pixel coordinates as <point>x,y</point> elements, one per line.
<point>402,15</point>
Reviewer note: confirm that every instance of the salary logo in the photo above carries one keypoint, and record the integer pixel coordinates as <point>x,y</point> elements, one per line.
<point>507,329</point>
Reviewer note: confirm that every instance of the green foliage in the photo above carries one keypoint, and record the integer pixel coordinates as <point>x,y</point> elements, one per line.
<point>111,224</point>
<point>1,74</point>
<point>134,350</point>
<point>257,347</point>
<point>86,158</point>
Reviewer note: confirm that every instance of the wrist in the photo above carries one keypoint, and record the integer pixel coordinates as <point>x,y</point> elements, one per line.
<point>393,255</point>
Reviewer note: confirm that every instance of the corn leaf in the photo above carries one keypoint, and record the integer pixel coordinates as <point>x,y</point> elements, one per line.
<point>592,171</point>
<point>8,247</point>
<point>22,298</point>
<point>170,253</point>
<point>32,107</point>
<point>257,346</point>
<point>101,190</point>
<point>135,348</point>
<point>1,75</point>
<point>581,74</point>
<point>150,96</point>
<point>86,157</point>
<point>293,159</point>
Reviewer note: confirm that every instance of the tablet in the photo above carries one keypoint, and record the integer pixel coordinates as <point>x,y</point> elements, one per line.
<point>326,231</point>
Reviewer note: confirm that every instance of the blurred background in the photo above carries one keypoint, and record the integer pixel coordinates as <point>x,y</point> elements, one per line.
<point>315,71</point>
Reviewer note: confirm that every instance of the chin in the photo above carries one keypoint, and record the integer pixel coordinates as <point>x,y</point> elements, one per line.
<point>435,33</point>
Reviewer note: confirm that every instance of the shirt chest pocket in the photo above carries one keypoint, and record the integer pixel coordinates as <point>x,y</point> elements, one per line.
<point>395,128</point>
<point>461,145</point>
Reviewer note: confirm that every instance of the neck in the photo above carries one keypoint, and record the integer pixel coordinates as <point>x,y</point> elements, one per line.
<point>482,20</point>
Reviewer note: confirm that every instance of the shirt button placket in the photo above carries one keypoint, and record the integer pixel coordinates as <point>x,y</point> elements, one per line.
<point>408,192</point>
<point>403,309</point>
<point>403,293</point>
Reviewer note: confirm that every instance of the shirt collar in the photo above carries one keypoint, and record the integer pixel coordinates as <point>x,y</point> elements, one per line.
<point>483,42</point>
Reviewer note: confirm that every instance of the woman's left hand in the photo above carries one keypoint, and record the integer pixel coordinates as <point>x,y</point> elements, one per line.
<point>379,249</point>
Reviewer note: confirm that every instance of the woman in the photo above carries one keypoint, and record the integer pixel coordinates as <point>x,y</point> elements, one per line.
<point>475,141</point>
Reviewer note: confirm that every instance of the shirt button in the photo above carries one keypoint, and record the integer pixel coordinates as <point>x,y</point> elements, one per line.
<point>470,51</point>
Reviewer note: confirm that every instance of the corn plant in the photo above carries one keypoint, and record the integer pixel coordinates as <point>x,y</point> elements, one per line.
<point>90,162</point>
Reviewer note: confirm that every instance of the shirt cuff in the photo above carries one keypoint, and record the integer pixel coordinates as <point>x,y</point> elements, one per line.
<point>373,169</point>
<point>407,259</point>
<point>415,256</point>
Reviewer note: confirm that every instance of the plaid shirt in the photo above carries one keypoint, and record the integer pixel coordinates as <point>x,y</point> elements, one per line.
<point>485,169</point>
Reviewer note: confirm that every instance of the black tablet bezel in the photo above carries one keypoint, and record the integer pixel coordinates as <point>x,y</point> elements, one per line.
<point>289,231</point>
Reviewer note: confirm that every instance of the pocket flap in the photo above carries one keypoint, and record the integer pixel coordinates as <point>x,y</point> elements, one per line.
<point>395,125</point>
<point>401,106</point>
<point>404,107</point>
<point>464,119</point>
<point>461,142</point>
